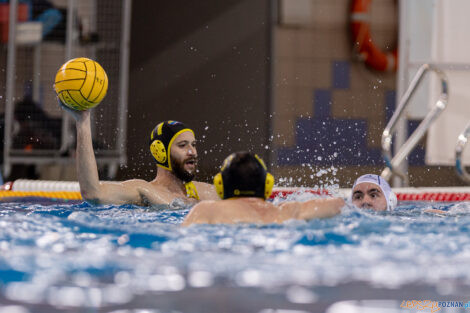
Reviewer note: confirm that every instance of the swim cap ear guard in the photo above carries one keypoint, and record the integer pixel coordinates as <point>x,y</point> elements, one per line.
<point>161,140</point>
<point>392,201</point>
<point>228,185</point>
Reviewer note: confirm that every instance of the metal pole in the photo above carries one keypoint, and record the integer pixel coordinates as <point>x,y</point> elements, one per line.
<point>459,149</point>
<point>273,12</point>
<point>124,80</point>
<point>10,86</point>
<point>402,82</point>
<point>399,110</point>
<point>92,28</point>
<point>37,73</point>
<point>69,45</point>
<point>70,36</point>
<point>401,154</point>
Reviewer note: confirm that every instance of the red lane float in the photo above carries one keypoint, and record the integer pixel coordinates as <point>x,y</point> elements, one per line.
<point>434,194</point>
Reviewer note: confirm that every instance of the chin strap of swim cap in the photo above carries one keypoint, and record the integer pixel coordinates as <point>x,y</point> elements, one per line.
<point>161,140</point>
<point>191,191</point>
<point>227,186</point>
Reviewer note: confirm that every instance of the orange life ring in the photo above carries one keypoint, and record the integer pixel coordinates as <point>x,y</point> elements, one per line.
<point>373,56</point>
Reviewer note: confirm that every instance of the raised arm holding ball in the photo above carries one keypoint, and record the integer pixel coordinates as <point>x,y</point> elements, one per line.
<point>80,85</point>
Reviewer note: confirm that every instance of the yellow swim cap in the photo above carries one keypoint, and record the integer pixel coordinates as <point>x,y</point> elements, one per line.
<point>243,174</point>
<point>162,138</point>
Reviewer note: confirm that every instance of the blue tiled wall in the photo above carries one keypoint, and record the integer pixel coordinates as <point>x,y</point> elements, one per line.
<point>324,140</point>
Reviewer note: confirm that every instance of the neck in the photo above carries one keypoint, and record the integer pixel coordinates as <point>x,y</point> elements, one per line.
<point>169,180</point>
<point>251,199</point>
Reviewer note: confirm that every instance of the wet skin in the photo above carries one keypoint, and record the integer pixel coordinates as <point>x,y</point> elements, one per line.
<point>184,156</point>
<point>369,196</point>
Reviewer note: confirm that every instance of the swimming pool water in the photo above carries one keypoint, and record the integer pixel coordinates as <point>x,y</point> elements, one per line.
<point>98,256</point>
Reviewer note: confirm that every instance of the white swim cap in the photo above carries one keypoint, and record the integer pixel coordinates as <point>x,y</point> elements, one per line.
<point>384,186</point>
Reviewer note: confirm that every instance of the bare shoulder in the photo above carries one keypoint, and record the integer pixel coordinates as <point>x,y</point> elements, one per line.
<point>202,186</point>
<point>205,206</point>
<point>149,193</point>
<point>201,213</point>
<point>135,183</point>
<point>206,191</point>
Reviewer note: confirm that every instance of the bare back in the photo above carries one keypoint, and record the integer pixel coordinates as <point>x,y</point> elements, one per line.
<point>240,210</point>
<point>258,211</point>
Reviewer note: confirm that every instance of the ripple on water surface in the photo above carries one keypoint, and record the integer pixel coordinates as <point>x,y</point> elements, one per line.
<point>81,254</point>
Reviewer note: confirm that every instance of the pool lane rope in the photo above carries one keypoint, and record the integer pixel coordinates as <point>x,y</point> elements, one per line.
<point>67,195</point>
<point>71,191</point>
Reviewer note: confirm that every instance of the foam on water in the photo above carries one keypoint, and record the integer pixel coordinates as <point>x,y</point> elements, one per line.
<point>95,255</point>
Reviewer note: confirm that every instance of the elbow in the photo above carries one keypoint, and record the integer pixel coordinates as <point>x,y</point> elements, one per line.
<point>91,197</point>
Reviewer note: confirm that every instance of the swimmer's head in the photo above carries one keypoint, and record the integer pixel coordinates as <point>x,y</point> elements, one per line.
<point>243,174</point>
<point>373,192</point>
<point>161,140</point>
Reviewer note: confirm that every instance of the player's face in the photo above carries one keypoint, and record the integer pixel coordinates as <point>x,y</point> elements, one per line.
<point>184,156</point>
<point>369,196</point>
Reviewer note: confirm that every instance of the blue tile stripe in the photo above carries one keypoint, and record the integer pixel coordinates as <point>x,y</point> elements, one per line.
<point>322,103</point>
<point>324,140</point>
<point>341,74</point>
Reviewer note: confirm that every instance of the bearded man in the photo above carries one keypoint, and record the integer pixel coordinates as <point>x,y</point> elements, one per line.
<point>172,144</point>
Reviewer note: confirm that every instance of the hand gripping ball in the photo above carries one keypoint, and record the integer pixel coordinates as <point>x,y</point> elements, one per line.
<point>81,84</point>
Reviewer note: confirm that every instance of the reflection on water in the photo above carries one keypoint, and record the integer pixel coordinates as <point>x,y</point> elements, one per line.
<point>80,255</point>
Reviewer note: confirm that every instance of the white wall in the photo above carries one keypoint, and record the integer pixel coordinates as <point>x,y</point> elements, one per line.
<point>436,31</point>
<point>451,46</point>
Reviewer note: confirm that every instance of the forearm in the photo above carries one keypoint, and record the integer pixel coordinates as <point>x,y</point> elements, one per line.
<point>87,170</point>
<point>320,208</point>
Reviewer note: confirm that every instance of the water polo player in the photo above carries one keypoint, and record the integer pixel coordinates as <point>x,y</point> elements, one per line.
<point>173,146</point>
<point>373,192</point>
<point>244,184</point>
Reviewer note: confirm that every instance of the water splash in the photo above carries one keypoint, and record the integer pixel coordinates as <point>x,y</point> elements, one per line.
<point>70,255</point>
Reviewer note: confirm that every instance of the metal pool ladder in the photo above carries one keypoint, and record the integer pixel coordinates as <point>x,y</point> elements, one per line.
<point>393,162</point>
<point>461,142</point>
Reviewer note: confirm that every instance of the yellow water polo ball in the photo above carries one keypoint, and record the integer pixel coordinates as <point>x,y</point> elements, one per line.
<point>81,84</point>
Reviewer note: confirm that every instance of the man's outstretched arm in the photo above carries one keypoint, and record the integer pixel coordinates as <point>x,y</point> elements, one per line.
<point>87,170</point>
<point>315,208</point>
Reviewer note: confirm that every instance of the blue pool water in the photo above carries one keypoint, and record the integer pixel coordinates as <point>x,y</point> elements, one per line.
<point>77,256</point>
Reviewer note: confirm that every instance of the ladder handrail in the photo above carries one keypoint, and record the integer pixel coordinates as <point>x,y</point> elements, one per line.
<point>461,142</point>
<point>410,144</point>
